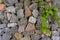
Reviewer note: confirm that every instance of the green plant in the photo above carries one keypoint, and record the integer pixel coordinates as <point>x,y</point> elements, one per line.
<point>41,2</point>
<point>45,13</point>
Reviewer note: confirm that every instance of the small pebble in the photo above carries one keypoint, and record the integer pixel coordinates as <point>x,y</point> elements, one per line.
<point>32,19</point>
<point>20,13</point>
<point>35,13</point>
<point>2,7</point>
<point>27,11</point>
<point>18,36</point>
<point>10,9</point>
<point>30,27</point>
<point>11,24</point>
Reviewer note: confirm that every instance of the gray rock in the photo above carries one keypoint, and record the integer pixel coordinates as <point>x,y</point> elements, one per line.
<point>33,1</point>
<point>10,2</point>
<point>23,21</point>
<point>38,23</point>
<point>55,26</point>
<point>21,28</point>
<point>13,30</point>
<point>6,36</point>
<point>26,38</point>
<point>11,24</point>
<point>27,2</point>
<point>35,37</point>
<point>32,19</point>
<point>14,18</point>
<point>55,33</point>
<point>20,13</point>
<point>45,38</point>
<point>35,13</point>
<point>55,38</point>
<point>2,26</point>
<point>18,6</point>
<point>58,3</point>
<point>33,6</point>
<point>10,9</point>
<point>28,33</point>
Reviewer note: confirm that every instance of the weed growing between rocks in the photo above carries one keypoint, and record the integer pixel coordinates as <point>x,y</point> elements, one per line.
<point>47,12</point>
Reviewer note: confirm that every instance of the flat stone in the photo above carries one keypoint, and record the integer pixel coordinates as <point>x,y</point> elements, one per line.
<point>2,7</point>
<point>54,26</point>
<point>6,36</point>
<point>13,30</point>
<point>46,38</point>
<point>27,11</point>
<point>35,37</point>
<point>10,2</point>
<point>37,32</point>
<point>26,38</point>
<point>33,6</point>
<point>19,6</point>
<point>55,38</point>
<point>2,26</point>
<point>33,1</point>
<point>21,28</point>
<point>20,13</point>
<point>18,36</point>
<point>35,13</point>
<point>21,1</point>
<point>28,33</point>
<point>32,19</point>
<point>10,9</point>
<point>23,21</point>
<point>11,24</point>
<point>57,3</point>
<point>27,2</point>
<point>14,18</point>
<point>30,27</point>
<point>55,33</point>
<point>9,16</point>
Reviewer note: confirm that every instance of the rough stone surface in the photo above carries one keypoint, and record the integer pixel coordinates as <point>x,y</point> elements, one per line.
<point>14,18</point>
<point>21,28</point>
<point>2,26</point>
<point>23,21</point>
<point>33,6</point>
<point>35,37</point>
<point>30,27</point>
<point>27,11</point>
<point>20,13</point>
<point>32,19</point>
<point>35,13</point>
<point>18,36</point>
<point>12,24</point>
<point>26,38</point>
<point>55,38</point>
<point>10,3</point>
<point>10,9</point>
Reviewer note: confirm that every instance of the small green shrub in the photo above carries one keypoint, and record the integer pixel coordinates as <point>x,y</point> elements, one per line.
<point>45,13</point>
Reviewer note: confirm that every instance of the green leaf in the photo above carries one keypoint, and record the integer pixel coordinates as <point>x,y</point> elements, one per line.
<point>51,12</point>
<point>43,18</point>
<point>55,9</point>
<point>47,32</point>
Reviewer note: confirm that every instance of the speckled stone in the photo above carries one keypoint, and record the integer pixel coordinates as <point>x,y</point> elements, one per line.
<point>20,13</point>
<point>10,9</point>
<point>32,19</point>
